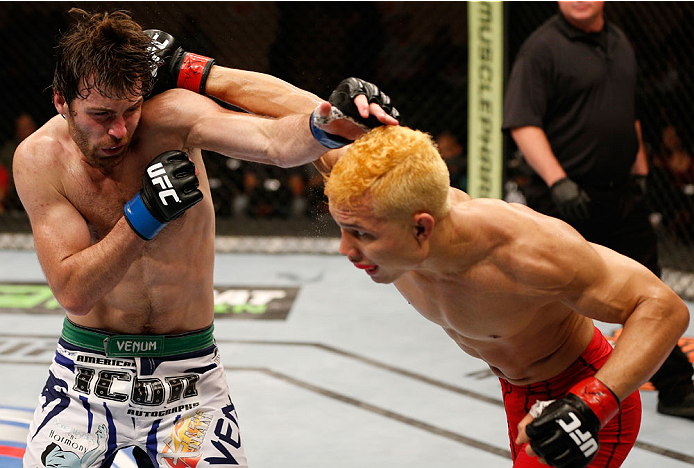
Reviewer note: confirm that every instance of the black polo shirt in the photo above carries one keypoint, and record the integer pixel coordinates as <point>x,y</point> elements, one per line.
<point>580,88</point>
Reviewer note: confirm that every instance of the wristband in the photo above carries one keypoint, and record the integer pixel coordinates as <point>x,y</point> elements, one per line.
<point>194,72</point>
<point>600,399</point>
<point>140,219</point>
<point>326,139</point>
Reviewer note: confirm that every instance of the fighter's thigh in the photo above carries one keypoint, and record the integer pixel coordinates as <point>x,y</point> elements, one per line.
<point>202,437</point>
<point>65,433</point>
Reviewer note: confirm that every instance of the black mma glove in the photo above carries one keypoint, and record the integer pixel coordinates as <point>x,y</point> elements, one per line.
<point>342,100</point>
<point>571,200</point>
<point>177,68</point>
<point>169,188</point>
<point>565,433</point>
<point>348,89</point>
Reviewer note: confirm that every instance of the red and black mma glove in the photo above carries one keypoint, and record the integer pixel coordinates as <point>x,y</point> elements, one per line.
<point>342,100</point>
<point>169,188</point>
<point>177,68</point>
<point>565,434</point>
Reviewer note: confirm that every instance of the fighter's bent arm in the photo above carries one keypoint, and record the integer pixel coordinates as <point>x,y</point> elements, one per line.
<point>653,315</point>
<point>73,266</point>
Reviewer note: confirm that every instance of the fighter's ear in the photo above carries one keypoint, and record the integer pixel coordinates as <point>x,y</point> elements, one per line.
<point>423,226</point>
<point>60,103</point>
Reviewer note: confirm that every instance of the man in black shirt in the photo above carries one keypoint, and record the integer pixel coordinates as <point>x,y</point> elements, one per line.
<point>570,107</point>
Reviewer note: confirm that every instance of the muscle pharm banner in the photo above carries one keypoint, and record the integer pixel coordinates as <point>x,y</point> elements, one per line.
<point>485,99</point>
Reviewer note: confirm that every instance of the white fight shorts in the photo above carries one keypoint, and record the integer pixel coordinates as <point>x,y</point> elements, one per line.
<point>164,394</point>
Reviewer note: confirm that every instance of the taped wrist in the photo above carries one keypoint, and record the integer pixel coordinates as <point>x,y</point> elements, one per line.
<point>326,139</point>
<point>140,219</point>
<point>598,397</point>
<point>192,70</point>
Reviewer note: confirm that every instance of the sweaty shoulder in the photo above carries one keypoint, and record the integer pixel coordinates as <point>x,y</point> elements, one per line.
<point>516,220</point>
<point>175,108</point>
<point>41,162</point>
<point>526,244</point>
<point>45,148</point>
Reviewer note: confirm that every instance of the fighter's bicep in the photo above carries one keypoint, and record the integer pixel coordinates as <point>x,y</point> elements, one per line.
<point>59,230</point>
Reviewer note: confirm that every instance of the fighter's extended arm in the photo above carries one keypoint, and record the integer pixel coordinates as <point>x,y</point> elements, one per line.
<point>201,123</point>
<point>289,141</point>
<point>255,92</point>
<point>73,266</point>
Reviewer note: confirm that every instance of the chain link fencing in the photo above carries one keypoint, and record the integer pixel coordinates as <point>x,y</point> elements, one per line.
<point>415,51</point>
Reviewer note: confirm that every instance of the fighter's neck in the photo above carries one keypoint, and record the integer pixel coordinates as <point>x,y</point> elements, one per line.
<point>449,250</point>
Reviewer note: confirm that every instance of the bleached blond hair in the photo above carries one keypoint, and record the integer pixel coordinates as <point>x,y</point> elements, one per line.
<point>398,167</point>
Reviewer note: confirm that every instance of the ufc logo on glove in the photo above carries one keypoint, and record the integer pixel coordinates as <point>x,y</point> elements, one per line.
<point>157,174</point>
<point>169,175</point>
<point>584,440</point>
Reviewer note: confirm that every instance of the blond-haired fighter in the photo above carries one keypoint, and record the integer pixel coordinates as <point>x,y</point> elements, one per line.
<point>512,287</point>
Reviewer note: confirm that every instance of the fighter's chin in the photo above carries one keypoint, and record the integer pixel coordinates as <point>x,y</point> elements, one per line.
<point>108,157</point>
<point>382,280</point>
<point>381,277</point>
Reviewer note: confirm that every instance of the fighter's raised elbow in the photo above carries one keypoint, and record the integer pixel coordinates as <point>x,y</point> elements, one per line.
<point>674,310</point>
<point>682,312</point>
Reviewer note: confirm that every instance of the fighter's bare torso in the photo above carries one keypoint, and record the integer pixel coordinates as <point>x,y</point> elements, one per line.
<point>495,300</point>
<point>168,288</point>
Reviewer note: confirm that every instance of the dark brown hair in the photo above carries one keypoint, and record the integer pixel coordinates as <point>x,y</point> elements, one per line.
<point>106,51</point>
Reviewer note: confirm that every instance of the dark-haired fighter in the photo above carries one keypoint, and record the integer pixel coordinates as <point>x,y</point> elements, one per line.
<point>123,224</point>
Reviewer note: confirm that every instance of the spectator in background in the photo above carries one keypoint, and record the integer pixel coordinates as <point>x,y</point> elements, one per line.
<point>453,154</point>
<point>677,158</point>
<point>298,205</point>
<point>672,175</point>
<point>265,194</point>
<point>242,202</point>
<point>570,107</point>
<point>24,125</point>
<point>4,187</point>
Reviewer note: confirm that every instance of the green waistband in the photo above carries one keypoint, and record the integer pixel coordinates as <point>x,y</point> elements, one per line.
<point>136,345</point>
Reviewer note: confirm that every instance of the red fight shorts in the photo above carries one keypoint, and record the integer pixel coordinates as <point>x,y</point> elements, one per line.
<point>616,438</point>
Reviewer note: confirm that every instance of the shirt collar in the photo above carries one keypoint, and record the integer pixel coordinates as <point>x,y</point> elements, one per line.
<point>573,33</point>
